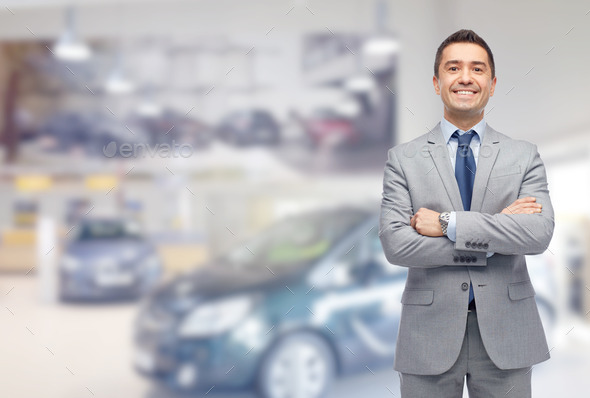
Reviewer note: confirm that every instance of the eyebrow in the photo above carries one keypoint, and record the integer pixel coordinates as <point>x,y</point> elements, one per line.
<point>456,61</point>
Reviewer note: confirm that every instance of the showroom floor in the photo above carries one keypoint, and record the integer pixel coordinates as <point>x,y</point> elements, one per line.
<point>56,350</point>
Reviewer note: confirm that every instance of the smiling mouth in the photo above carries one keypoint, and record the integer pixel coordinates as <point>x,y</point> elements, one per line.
<point>465,92</point>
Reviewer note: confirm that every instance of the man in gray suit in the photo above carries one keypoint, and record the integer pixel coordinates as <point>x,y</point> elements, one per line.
<point>462,205</point>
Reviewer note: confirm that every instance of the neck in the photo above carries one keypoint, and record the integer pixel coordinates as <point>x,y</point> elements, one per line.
<point>462,121</point>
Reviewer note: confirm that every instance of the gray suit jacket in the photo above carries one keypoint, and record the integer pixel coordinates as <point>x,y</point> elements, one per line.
<point>419,174</point>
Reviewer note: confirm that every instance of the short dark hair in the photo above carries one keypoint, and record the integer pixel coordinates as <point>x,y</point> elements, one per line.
<point>463,36</point>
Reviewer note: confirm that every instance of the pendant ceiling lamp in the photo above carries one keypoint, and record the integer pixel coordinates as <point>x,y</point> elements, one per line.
<point>382,43</point>
<point>117,82</point>
<point>69,47</point>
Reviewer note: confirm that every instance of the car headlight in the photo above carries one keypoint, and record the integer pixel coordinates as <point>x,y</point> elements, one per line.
<point>69,263</point>
<point>216,317</point>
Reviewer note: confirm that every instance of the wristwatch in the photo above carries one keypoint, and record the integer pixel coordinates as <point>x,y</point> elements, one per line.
<point>443,218</point>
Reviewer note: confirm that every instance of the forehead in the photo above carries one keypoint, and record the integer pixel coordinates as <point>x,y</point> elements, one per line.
<point>464,52</point>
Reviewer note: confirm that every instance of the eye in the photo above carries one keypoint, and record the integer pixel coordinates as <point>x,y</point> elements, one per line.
<point>478,69</point>
<point>453,69</point>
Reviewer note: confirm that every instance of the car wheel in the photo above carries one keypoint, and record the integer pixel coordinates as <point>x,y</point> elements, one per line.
<point>300,365</point>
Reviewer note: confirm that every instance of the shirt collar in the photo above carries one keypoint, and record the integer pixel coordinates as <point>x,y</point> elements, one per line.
<point>449,128</point>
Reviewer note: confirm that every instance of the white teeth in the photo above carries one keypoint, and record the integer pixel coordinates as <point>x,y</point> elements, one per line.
<point>465,92</point>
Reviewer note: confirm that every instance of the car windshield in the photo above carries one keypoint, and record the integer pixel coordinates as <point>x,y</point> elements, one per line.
<point>108,229</point>
<point>294,241</point>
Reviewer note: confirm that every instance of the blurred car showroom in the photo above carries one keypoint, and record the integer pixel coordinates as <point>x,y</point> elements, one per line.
<point>190,189</point>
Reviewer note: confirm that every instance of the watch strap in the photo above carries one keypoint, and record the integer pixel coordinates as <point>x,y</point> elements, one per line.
<point>443,218</point>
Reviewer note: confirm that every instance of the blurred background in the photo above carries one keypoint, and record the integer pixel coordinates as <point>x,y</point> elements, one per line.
<point>190,189</point>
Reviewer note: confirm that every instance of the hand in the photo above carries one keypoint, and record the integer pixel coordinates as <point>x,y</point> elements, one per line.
<point>526,205</point>
<point>426,222</point>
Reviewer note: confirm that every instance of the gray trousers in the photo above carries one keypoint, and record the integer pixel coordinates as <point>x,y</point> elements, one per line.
<point>484,379</point>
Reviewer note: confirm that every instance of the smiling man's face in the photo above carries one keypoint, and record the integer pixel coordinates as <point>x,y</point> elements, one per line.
<point>464,83</point>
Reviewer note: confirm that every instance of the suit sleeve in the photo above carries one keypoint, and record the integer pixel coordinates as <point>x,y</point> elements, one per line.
<point>402,244</point>
<point>512,234</point>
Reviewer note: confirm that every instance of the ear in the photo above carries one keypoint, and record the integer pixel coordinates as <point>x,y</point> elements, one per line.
<point>493,86</point>
<point>435,84</point>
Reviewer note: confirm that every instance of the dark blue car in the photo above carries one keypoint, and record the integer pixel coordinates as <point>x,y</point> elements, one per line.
<point>310,298</point>
<point>108,259</point>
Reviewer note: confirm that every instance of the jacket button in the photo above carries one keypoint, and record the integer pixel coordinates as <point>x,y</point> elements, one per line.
<point>467,244</point>
<point>464,286</point>
<point>474,259</point>
<point>455,259</point>
<point>479,245</point>
<point>462,259</point>
<point>485,245</point>
<point>468,259</point>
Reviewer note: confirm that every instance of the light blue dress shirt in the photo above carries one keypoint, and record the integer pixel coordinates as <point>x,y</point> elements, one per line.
<point>448,129</point>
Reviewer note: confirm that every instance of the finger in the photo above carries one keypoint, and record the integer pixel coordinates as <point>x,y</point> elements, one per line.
<point>525,210</point>
<point>528,206</point>
<point>524,206</point>
<point>518,209</point>
<point>531,206</point>
<point>531,203</point>
<point>526,199</point>
<point>528,211</point>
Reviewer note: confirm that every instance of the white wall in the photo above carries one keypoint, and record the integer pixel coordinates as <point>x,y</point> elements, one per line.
<point>545,104</point>
<point>549,101</point>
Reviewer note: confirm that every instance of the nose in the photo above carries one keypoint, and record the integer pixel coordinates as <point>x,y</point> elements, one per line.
<point>465,77</point>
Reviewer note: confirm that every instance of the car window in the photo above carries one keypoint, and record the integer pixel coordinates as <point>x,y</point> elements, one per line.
<point>107,229</point>
<point>294,241</point>
<point>348,267</point>
<point>365,263</point>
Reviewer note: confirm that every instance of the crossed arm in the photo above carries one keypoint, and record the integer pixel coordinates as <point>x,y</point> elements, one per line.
<point>416,240</point>
<point>426,223</point>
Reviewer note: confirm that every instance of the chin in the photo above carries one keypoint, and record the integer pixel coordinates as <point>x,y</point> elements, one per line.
<point>467,109</point>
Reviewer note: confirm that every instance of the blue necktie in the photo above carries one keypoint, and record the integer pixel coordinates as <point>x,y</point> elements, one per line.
<point>465,174</point>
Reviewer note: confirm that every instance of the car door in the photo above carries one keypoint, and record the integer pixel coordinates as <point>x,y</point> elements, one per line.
<point>362,308</point>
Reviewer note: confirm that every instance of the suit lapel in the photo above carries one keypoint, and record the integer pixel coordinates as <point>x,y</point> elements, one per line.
<point>440,156</point>
<point>488,152</point>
